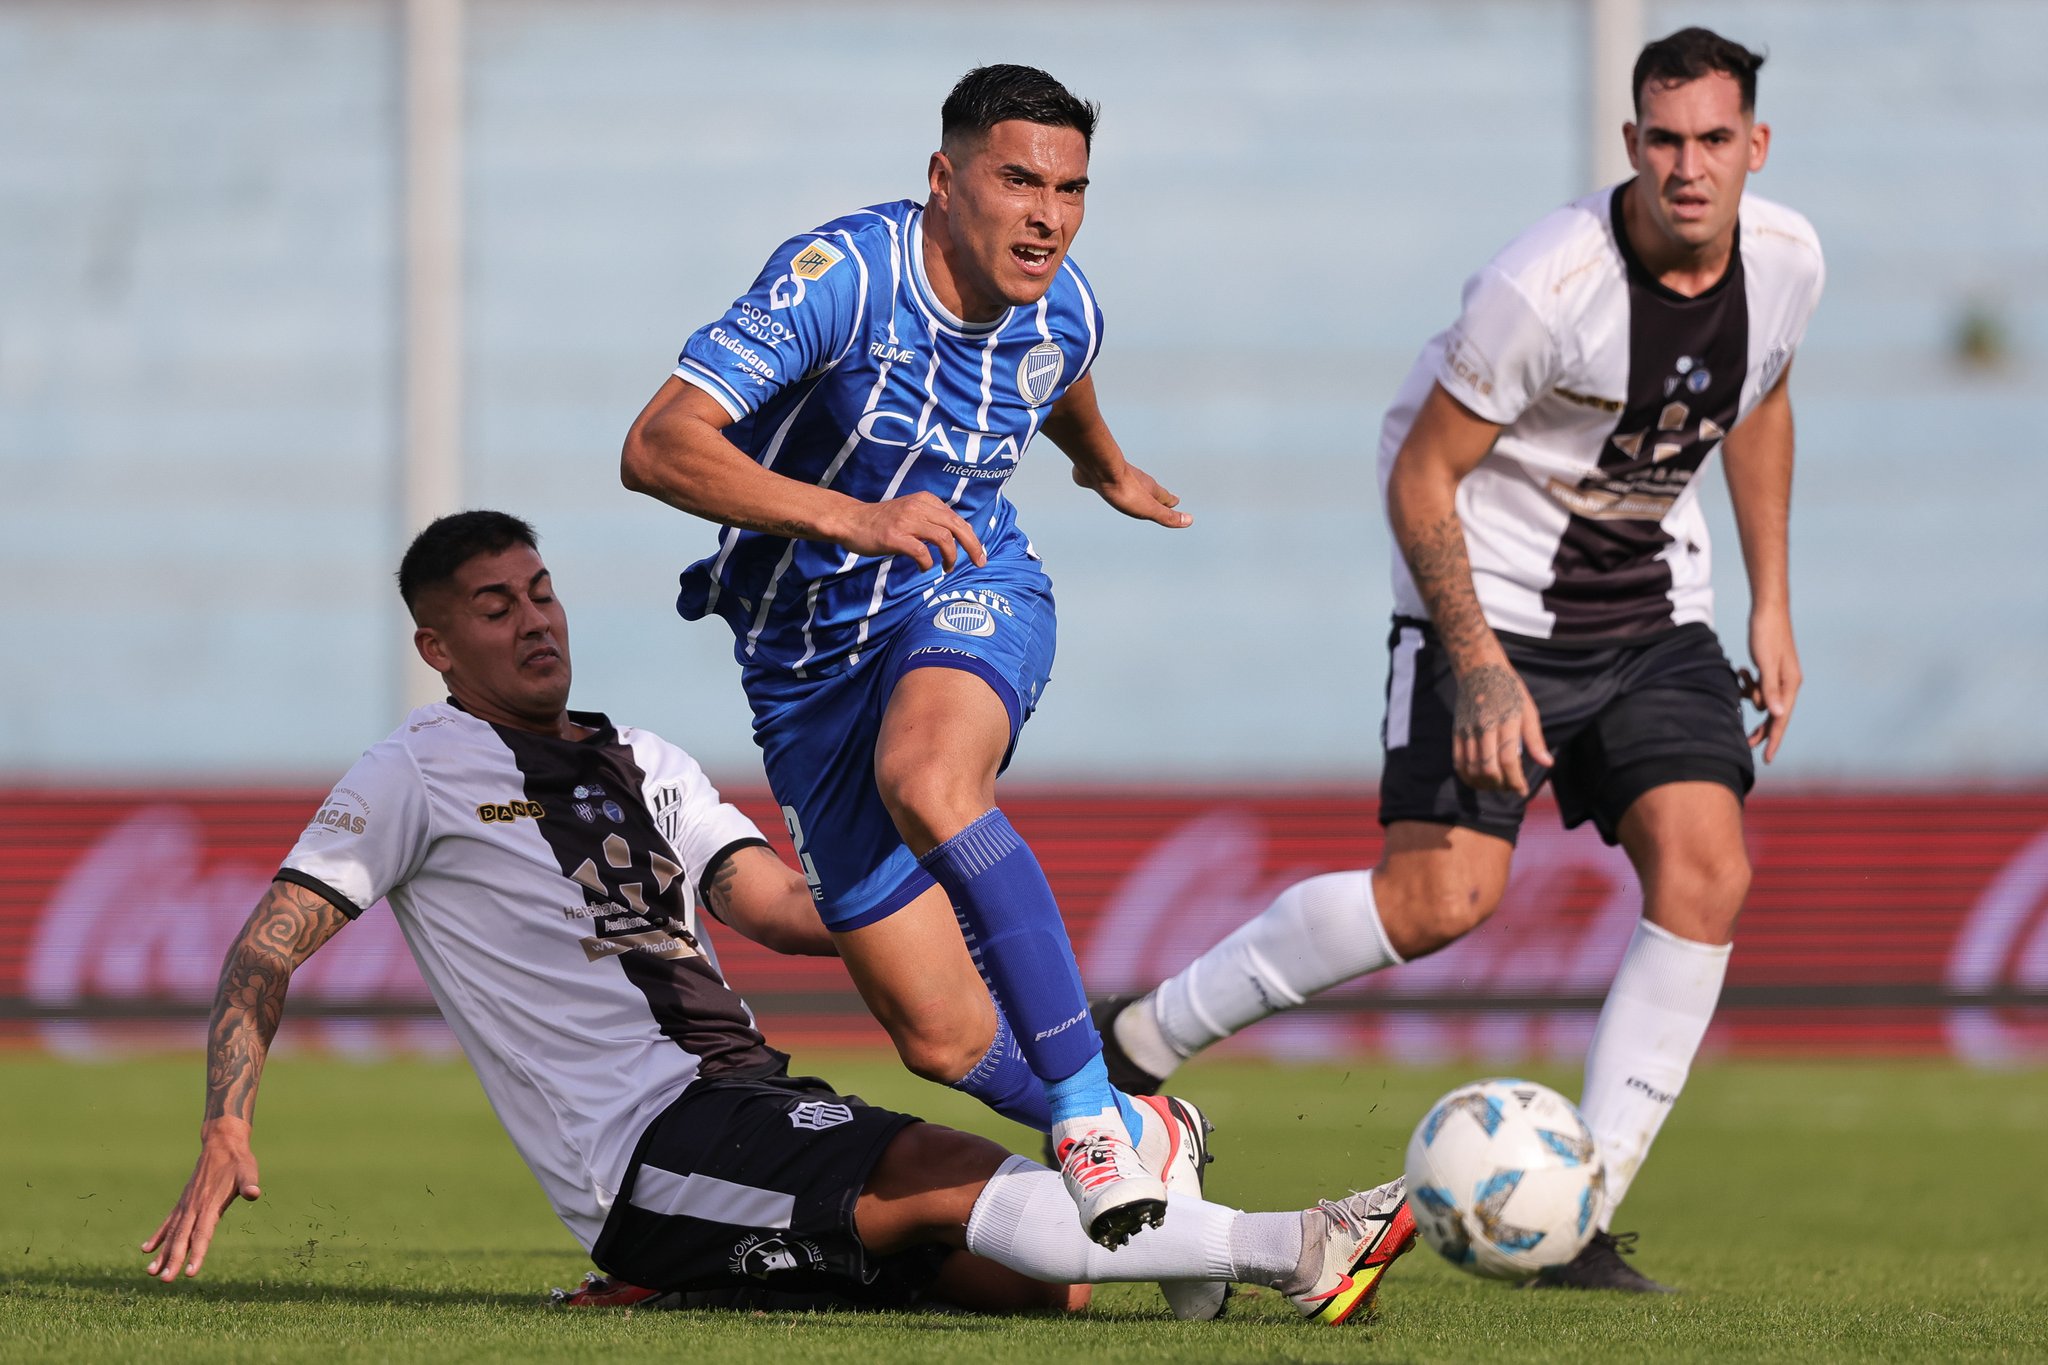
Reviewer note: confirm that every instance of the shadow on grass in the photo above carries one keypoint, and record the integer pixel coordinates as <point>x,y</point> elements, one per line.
<point>138,1287</point>
<point>139,1290</point>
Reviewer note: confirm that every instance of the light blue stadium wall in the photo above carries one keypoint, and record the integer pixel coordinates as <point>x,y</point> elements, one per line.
<point>199,375</point>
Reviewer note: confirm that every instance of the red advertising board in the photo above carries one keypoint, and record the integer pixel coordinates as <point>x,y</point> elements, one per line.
<point>1877,923</point>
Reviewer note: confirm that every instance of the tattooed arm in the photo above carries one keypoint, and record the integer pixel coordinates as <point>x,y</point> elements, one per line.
<point>1495,718</point>
<point>283,931</point>
<point>767,900</point>
<point>1757,457</point>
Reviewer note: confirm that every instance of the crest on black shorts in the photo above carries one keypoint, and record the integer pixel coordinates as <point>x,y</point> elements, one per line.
<point>819,1115</point>
<point>761,1255</point>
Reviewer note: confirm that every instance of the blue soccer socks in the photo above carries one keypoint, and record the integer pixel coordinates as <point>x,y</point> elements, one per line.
<point>1087,1093</point>
<point>1014,930</point>
<point>1002,1080</point>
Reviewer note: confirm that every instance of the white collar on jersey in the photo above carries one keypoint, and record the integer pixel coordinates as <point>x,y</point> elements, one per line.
<point>930,300</point>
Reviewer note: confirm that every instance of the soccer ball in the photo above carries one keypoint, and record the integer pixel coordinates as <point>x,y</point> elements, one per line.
<point>1505,1179</point>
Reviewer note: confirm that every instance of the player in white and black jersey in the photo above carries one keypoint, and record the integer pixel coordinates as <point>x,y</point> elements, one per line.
<point>548,868</point>
<point>1553,610</point>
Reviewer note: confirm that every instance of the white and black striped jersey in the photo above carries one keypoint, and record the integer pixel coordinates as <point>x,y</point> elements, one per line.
<point>549,890</point>
<point>1583,524</point>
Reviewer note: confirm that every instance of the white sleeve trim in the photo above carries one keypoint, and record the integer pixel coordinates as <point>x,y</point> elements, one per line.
<point>691,373</point>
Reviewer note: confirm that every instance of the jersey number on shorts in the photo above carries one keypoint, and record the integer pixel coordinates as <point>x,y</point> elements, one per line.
<point>796,835</point>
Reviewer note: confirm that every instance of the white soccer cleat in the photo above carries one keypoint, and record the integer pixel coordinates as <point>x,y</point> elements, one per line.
<point>1115,1193</point>
<point>1176,1143</point>
<point>1361,1237</point>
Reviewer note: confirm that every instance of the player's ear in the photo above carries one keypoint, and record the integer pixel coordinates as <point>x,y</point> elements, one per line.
<point>1629,144</point>
<point>940,175</point>
<point>1759,146</point>
<point>428,642</point>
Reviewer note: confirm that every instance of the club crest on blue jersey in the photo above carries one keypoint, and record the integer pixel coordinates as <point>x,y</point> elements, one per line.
<point>1038,373</point>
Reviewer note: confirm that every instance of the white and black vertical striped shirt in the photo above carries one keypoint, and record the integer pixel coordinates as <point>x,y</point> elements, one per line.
<point>1583,524</point>
<point>549,891</point>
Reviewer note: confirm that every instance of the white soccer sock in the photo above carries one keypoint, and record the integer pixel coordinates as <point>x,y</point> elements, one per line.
<point>1316,934</point>
<point>1656,1013</point>
<point>1025,1220</point>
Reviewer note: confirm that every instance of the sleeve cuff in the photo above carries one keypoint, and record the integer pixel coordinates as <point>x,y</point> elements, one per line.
<point>717,861</point>
<point>322,890</point>
<point>721,393</point>
<point>1482,407</point>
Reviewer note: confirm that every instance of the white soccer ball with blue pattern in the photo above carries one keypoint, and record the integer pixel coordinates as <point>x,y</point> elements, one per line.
<point>1505,1179</point>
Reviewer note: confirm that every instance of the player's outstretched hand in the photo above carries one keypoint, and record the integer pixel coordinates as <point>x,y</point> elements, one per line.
<point>1496,723</point>
<point>913,527</point>
<point>1774,687</point>
<point>226,1171</point>
<point>1135,493</point>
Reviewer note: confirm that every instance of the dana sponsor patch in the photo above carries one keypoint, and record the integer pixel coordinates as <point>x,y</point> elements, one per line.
<point>814,260</point>
<point>506,812</point>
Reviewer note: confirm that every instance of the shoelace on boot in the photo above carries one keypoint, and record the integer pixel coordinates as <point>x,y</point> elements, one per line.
<point>1622,1242</point>
<point>1096,1163</point>
<point>1369,1204</point>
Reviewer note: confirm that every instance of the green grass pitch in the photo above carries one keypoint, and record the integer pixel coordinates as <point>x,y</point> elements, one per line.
<point>1868,1212</point>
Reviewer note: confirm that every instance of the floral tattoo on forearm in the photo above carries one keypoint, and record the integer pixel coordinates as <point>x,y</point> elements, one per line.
<point>284,929</point>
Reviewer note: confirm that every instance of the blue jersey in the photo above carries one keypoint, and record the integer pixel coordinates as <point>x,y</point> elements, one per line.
<point>840,368</point>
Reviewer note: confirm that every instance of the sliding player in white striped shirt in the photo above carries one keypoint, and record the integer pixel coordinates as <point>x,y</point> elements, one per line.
<point>548,869</point>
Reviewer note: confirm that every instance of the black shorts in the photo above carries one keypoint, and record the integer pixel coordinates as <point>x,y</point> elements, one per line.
<point>752,1184</point>
<point>1618,719</point>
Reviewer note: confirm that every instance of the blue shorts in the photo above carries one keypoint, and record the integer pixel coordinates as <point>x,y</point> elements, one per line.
<point>817,735</point>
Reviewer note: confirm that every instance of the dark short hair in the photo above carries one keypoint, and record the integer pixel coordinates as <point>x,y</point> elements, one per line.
<point>989,95</point>
<point>438,552</point>
<point>1692,53</point>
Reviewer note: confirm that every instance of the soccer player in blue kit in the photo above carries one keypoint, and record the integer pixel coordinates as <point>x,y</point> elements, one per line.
<point>851,422</point>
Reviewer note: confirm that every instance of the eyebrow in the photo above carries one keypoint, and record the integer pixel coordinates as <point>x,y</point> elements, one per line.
<point>504,590</point>
<point>1012,168</point>
<point>1653,130</point>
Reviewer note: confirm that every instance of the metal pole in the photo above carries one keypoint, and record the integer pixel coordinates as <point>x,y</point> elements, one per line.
<point>1615,37</point>
<point>432,380</point>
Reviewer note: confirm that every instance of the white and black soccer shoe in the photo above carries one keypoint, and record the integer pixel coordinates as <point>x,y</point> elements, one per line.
<point>1176,1143</point>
